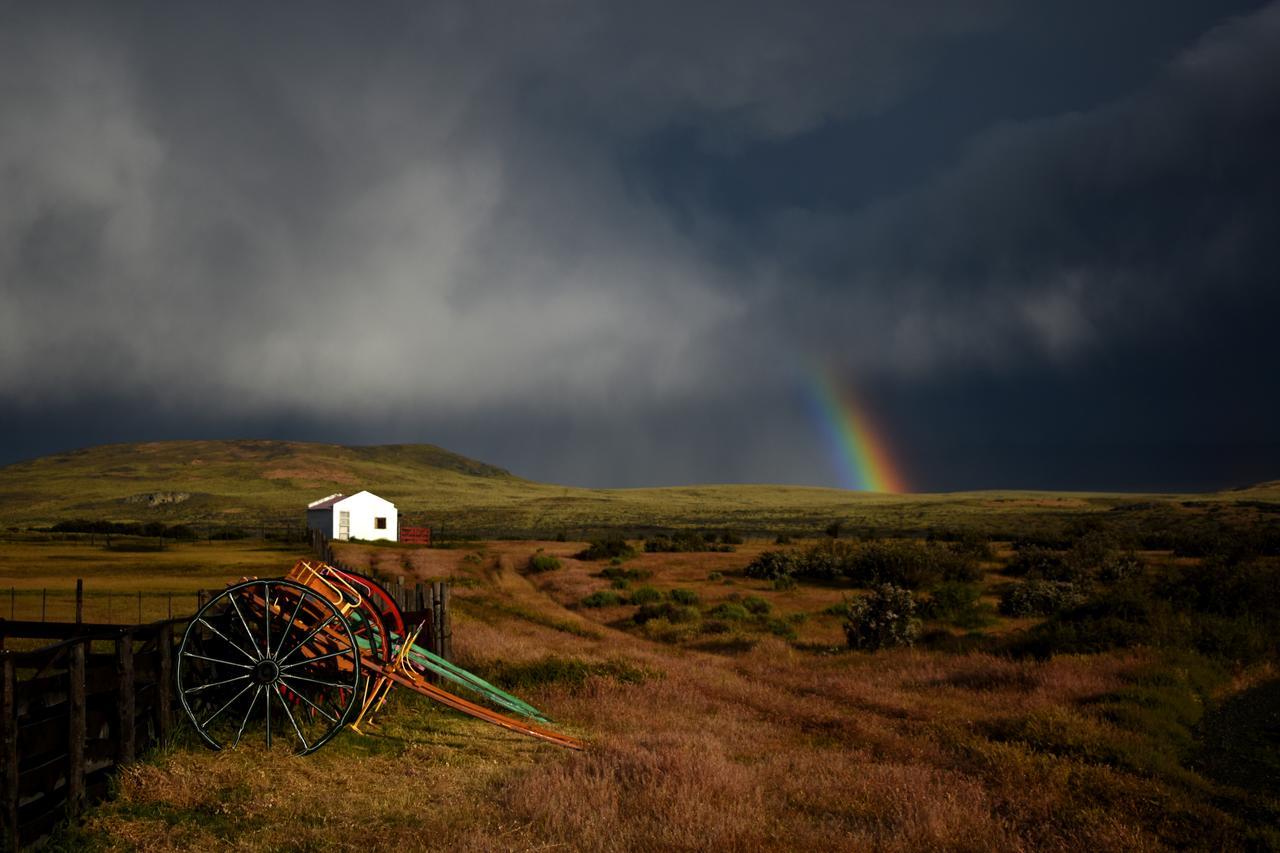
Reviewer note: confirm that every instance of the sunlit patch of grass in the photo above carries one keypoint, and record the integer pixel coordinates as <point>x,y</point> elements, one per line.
<point>571,673</point>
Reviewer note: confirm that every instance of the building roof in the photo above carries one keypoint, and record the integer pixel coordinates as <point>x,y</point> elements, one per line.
<point>335,499</point>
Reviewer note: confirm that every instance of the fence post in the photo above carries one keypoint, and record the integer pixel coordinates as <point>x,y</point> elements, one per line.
<point>164,688</point>
<point>399,592</point>
<point>44,600</point>
<point>79,600</point>
<point>12,600</point>
<point>437,620</point>
<point>446,624</point>
<point>75,730</point>
<point>199,599</point>
<point>124,676</point>
<point>170,605</point>
<point>9,750</point>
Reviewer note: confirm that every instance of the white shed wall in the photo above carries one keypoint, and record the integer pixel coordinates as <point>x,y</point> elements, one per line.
<point>364,508</point>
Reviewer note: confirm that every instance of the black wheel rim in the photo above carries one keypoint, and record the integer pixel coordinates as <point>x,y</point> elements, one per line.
<point>269,661</point>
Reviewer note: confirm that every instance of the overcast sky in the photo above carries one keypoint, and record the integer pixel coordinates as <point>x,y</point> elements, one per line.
<point>605,243</point>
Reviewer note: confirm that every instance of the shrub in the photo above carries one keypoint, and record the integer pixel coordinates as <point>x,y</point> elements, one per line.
<point>824,561</point>
<point>602,598</point>
<point>756,605</point>
<point>673,613</point>
<point>1039,598</point>
<point>645,595</point>
<point>781,628</point>
<point>957,604</point>
<point>613,547</point>
<point>770,565</point>
<point>782,539</point>
<point>716,626</point>
<point>730,611</point>
<point>687,541</point>
<point>949,599</point>
<point>973,545</point>
<point>683,596</point>
<point>1090,551</point>
<point>619,583</point>
<point>784,583</point>
<point>665,631</point>
<point>1120,567</point>
<point>1036,562</point>
<point>903,564</point>
<point>958,567</point>
<point>883,619</point>
<point>715,576</point>
<point>540,563</point>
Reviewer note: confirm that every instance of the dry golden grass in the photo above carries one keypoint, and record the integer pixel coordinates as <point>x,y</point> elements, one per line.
<point>772,748</point>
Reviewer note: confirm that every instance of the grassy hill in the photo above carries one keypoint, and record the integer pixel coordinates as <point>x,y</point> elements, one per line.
<point>229,482</point>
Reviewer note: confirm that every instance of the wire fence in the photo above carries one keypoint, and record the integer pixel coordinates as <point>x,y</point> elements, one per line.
<point>106,607</point>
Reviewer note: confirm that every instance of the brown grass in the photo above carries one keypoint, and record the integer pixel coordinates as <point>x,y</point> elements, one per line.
<point>775,748</point>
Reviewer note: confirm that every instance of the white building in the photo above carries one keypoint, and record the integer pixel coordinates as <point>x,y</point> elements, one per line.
<point>363,515</point>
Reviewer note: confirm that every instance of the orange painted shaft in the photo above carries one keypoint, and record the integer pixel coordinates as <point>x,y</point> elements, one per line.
<point>446,698</point>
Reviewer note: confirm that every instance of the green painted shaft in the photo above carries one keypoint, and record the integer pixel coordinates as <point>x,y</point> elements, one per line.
<point>463,678</point>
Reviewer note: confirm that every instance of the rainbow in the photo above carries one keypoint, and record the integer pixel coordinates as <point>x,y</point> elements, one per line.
<point>856,444</point>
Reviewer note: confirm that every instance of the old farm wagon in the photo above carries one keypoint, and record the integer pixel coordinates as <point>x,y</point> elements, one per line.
<point>302,656</point>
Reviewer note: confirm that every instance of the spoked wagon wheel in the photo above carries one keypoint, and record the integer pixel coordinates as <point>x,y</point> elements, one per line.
<point>268,658</point>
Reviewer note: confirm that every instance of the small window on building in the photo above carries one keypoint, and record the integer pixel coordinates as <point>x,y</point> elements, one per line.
<point>379,524</point>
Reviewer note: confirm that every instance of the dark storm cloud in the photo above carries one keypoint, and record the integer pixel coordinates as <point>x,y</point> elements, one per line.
<point>1053,238</point>
<point>422,223</point>
<point>263,204</point>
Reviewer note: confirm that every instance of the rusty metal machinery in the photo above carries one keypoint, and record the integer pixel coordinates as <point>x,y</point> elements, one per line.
<point>303,656</point>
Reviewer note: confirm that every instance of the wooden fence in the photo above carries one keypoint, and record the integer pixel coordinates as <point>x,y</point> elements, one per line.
<point>422,603</point>
<point>415,535</point>
<point>72,711</point>
<point>100,694</point>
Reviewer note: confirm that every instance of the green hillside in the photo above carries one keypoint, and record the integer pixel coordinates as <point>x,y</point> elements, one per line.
<point>230,482</point>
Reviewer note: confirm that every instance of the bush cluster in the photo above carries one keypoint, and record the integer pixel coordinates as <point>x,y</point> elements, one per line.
<point>1039,598</point>
<point>911,564</point>
<point>603,598</point>
<point>1224,608</point>
<point>957,604</point>
<point>668,610</point>
<point>127,528</point>
<point>616,573</point>
<point>611,548</point>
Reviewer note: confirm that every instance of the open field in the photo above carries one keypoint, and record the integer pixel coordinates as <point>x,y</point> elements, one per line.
<point>768,734</point>
<point>36,575</point>
<point>246,482</point>
<point>1090,670</point>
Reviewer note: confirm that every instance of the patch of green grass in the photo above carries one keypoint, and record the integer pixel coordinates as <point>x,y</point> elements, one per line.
<point>645,595</point>
<point>539,563</point>
<point>602,598</point>
<point>565,671</point>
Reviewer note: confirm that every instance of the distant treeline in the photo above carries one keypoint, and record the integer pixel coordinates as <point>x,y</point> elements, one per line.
<point>183,531</point>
